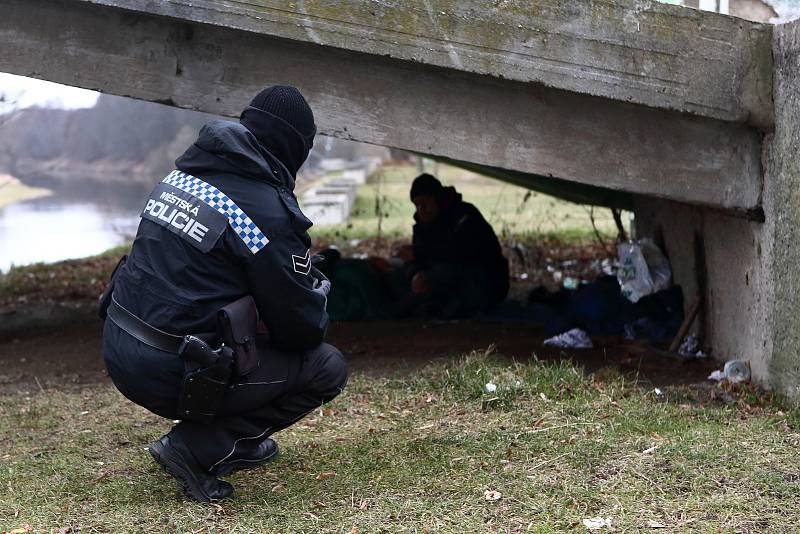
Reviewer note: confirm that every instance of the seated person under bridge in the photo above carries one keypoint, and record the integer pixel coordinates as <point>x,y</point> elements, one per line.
<point>455,263</point>
<point>454,269</point>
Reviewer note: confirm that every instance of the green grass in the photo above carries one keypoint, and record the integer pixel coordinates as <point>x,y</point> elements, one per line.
<point>419,454</point>
<point>383,204</point>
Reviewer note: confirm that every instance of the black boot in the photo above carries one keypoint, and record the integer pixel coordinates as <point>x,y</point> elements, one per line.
<point>248,458</point>
<point>172,454</point>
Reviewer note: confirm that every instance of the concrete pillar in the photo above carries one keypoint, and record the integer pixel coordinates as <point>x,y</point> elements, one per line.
<point>782,206</point>
<point>748,272</point>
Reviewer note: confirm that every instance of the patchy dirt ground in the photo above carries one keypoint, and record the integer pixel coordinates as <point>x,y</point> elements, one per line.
<point>34,354</point>
<point>69,356</point>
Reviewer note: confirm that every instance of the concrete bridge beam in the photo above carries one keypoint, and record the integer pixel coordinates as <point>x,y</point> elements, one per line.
<point>511,101</point>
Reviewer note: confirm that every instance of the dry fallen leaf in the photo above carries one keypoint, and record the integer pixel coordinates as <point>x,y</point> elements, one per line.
<point>326,475</point>
<point>492,495</point>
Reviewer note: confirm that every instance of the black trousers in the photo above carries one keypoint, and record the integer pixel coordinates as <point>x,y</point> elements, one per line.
<point>282,390</point>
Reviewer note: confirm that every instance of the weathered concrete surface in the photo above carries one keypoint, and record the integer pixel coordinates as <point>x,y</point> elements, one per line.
<point>629,50</point>
<point>750,269</point>
<point>721,259</point>
<point>454,112</point>
<point>783,204</point>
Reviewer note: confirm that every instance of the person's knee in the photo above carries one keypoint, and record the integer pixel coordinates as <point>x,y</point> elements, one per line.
<point>331,376</point>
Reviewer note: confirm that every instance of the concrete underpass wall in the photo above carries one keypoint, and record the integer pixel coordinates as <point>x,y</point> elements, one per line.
<point>722,259</point>
<point>751,269</point>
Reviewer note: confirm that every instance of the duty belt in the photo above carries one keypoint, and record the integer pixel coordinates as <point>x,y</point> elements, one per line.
<point>144,332</point>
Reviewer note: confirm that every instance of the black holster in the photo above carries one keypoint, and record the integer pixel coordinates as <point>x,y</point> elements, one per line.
<point>237,324</point>
<point>208,372</point>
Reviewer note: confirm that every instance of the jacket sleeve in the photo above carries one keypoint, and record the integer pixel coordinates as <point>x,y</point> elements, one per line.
<point>290,300</point>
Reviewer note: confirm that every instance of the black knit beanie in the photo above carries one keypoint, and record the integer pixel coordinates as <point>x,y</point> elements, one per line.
<point>425,184</point>
<point>287,103</point>
<point>282,121</point>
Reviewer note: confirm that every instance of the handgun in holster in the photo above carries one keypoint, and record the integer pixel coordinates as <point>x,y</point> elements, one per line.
<point>208,372</point>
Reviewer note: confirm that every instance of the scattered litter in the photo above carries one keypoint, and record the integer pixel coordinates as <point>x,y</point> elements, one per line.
<point>491,495</point>
<point>658,392</point>
<point>650,450</point>
<point>690,348</point>
<point>643,269</point>
<point>571,283</point>
<point>716,376</point>
<point>596,523</point>
<point>735,371</point>
<point>491,388</point>
<point>656,524</point>
<point>573,339</point>
<point>21,530</point>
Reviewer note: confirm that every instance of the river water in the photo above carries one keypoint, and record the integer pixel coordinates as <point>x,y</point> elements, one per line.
<point>67,226</point>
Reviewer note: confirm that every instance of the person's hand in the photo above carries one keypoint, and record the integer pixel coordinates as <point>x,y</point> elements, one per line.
<point>419,284</point>
<point>405,253</point>
<point>320,284</point>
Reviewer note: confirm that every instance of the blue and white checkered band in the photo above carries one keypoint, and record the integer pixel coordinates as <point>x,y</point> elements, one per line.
<point>246,229</point>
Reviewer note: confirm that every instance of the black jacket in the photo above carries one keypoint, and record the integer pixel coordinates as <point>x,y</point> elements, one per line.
<point>461,236</point>
<point>223,225</point>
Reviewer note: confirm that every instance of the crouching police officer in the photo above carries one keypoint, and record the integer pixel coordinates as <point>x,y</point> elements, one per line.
<point>222,242</point>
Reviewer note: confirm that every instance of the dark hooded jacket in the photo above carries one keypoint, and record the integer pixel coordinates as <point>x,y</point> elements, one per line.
<point>252,240</point>
<point>460,236</point>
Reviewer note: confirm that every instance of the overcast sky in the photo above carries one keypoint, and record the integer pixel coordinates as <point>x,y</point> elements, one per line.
<point>17,92</point>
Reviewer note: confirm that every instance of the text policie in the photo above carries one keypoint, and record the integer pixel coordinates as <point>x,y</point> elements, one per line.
<point>180,217</point>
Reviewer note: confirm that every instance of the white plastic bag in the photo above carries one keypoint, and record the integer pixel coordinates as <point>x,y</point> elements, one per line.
<point>643,269</point>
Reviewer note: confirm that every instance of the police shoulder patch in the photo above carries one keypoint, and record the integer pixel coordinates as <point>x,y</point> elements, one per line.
<point>199,213</point>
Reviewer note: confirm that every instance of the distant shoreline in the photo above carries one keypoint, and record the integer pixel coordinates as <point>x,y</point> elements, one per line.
<point>13,191</point>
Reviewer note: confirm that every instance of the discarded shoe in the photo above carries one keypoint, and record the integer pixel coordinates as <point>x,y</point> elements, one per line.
<point>174,457</point>
<point>248,458</point>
